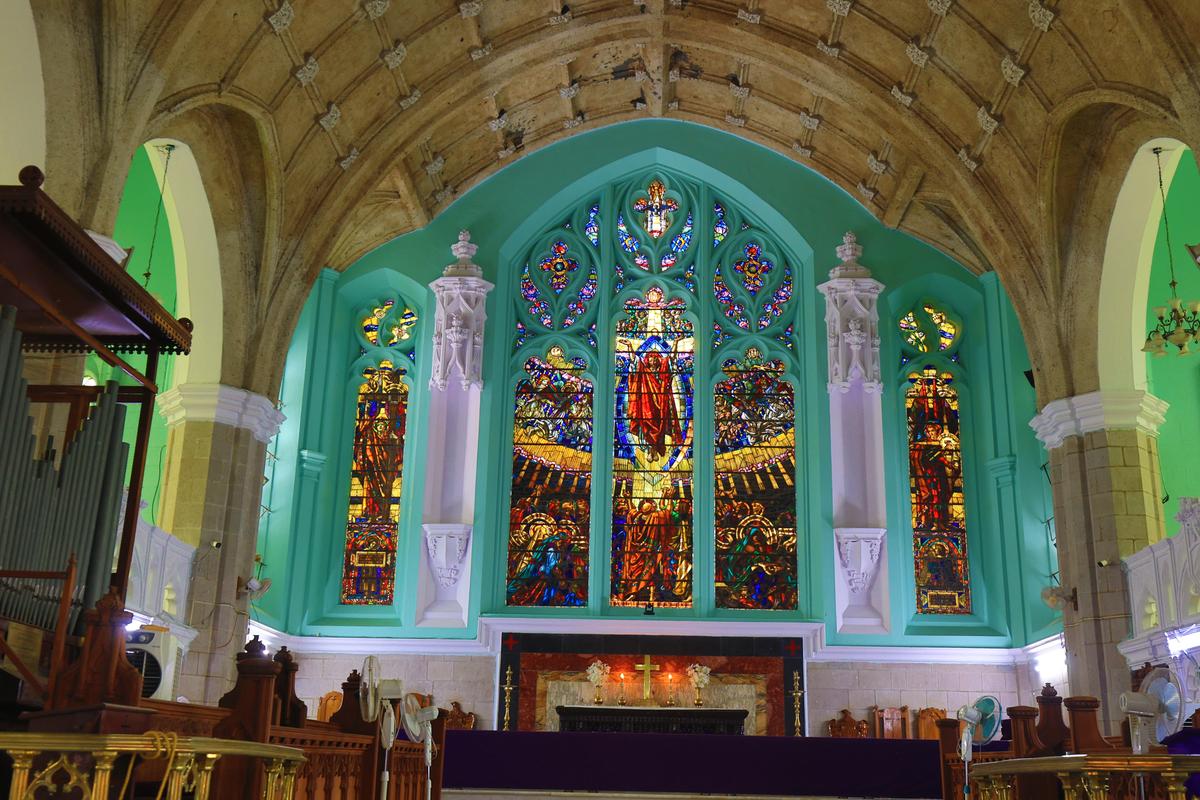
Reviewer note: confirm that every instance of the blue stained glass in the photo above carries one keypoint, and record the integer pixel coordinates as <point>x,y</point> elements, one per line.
<point>753,268</point>
<point>720,226</point>
<point>773,308</point>
<point>522,335</point>
<point>788,337</point>
<point>592,229</point>
<point>624,238</point>
<point>538,307</point>
<point>619,278</point>
<point>719,335</point>
<point>577,307</point>
<point>731,307</point>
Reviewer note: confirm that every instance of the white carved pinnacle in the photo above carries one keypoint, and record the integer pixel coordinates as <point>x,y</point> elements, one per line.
<point>1012,71</point>
<point>1040,16</point>
<point>282,18</point>
<point>986,120</point>
<point>307,71</point>
<point>395,57</point>
<point>852,321</point>
<point>461,295</point>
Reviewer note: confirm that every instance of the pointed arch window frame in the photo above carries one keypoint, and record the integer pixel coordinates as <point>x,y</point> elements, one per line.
<point>798,358</point>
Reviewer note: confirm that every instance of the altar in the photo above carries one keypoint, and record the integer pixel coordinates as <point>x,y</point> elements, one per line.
<point>651,719</point>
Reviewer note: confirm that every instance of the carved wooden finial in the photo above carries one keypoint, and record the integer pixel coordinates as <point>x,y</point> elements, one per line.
<point>254,649</point>
<point>32,177</point>
<point>284,656</point>
<point>1049,691</point>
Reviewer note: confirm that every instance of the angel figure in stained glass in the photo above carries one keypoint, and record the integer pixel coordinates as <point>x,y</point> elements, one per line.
<point>657,207</point>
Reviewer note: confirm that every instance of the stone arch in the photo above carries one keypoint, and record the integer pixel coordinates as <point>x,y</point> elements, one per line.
<point>23,102</point>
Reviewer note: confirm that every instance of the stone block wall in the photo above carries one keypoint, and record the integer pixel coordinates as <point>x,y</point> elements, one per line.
<point>858,686</point>
<point>471,680</point>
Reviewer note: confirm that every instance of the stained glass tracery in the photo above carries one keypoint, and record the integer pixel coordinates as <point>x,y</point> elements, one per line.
<point>755,491</point>
<point>652,460</point>
<point>657,208</point>
<point>549,522</point>
<point>376,472</point>
<point>936,494</point>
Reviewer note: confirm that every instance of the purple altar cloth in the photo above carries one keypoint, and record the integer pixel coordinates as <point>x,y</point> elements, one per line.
<point>726,765</point>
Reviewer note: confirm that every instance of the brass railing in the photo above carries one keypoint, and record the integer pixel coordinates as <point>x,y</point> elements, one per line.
<point>62,762</point>
<point>1088,777</point>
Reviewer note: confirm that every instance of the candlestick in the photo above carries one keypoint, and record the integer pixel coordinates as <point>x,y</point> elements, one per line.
<point>621,699</point>
<point>670,689</point>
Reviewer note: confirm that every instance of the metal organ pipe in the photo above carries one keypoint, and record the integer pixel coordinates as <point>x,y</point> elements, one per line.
<point>48,514</point>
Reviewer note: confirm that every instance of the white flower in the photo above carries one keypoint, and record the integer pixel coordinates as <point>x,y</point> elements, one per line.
<point>699,675</point>
<point>597,672</point>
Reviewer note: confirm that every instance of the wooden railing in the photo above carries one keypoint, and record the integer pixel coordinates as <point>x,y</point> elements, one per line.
<point>1120,776</point>
<point>344,757</point>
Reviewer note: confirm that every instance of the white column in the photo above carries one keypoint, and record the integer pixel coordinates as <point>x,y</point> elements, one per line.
<point>444,580</point>
<point>856,437</point>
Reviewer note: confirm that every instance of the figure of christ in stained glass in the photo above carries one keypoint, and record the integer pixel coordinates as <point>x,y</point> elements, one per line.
<point>936,492</point>
<point>369,568</point>
<point>652,464</point>
<point>755,497</point>
<point>549,517</point>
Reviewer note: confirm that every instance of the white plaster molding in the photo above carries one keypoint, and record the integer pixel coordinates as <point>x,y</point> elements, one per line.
<point>435,165</point>
<point>739,91</point>
<point>939,7</point>
<point>459,322</point>
<point>752,17</point>
<point>986,121</point>
<point>560,19</point>
<point>470,9</point>
<point>307,72</point>
<point>447,544</point>
<point>735,121</point>
<point>866,191</point>
<point>809,121</point>
<point>350,158</point>
<point>481,52</point>
<point>376,8</point>
<point>330,119</point>
<point>1075,416</point>
<point>215,402</point>
<point>918,55</point>
<point>411,100</point>
<point>876,165</point>
<point>1040,16</point>
<point>828,48</point>
<point>801,150</point>
<point>967,160</point>
<point>861,554</point>
<point>840,8</point>
<point>569,91</point>
<point>902,97</point>
<point>1011,70</point>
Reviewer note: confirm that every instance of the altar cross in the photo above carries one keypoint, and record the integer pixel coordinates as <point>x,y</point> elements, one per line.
<point>646,667</point>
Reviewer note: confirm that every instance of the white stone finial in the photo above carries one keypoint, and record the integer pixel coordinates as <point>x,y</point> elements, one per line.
<point>463,250</point>
<point>458,324</point>
<point>849,250</point>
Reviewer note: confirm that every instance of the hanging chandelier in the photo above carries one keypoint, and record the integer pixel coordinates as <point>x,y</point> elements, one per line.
<point>1176,325</point>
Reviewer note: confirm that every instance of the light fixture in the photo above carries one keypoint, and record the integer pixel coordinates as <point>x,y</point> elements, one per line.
<point>1176,325</point>
<point>162,191</point>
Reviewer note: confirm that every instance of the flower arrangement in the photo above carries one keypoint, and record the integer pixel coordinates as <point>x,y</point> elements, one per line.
<point>699,675</point>
<point>597,672</point>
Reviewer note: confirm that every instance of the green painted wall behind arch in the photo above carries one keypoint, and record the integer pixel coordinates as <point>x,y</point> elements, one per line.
<point>1174,378</point>
<point>1007,489</point>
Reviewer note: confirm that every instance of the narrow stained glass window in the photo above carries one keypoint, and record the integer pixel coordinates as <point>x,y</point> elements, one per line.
<point>652,460</point>
<point>936,491</point>
<point>755,496</point>
<point>551,484</point>
<point>369,570</point>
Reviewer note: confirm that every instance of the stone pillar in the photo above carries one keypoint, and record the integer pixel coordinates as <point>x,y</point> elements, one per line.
<point>444,580</point>
<point>856,434</point>
<point>1107,488</point>
<point>216,453</point>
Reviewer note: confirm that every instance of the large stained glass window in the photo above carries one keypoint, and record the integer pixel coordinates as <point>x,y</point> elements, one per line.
<point>652,458</point>
<point>369,570</point>
<point>755,485</point>
<point>606,303</point>
<point>549,521</point>
<point>936,490</point>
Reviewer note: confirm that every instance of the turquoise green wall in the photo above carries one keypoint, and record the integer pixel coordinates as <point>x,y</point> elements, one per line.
<point>1006,490</point>
<point>134,229</point>
<point>1174,378</point>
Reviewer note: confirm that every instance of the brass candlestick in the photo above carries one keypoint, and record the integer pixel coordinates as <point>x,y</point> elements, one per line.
<point>671,701</point>
<point>621,699</point>
<point>797,693</point>
<point>698,702</point>
<point>599,698</point>
<point>508,688</point>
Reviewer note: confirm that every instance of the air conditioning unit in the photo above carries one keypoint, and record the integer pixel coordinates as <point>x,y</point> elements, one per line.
<point>155,654</point>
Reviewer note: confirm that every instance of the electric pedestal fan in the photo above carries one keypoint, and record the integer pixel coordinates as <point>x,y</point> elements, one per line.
<point>374,698</point>
<point>1154,712</point>
<point>983,716</point>
<point>418,727</point>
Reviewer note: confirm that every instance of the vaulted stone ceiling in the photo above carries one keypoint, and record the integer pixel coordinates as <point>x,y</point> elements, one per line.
<point>986,127</point>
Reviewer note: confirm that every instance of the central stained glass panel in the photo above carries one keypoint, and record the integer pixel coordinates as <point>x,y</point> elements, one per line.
<point>652,454</point>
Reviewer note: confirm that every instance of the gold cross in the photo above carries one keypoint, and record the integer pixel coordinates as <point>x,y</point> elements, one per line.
<point>646,668</point>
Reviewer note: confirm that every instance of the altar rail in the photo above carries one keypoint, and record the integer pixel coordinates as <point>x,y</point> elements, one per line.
<point>343,755</point>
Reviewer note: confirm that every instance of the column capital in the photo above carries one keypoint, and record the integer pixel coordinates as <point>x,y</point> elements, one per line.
<point>312,464</point>
<point>1105,410</point>
<point>852,322</point>
<point>215,402</point>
